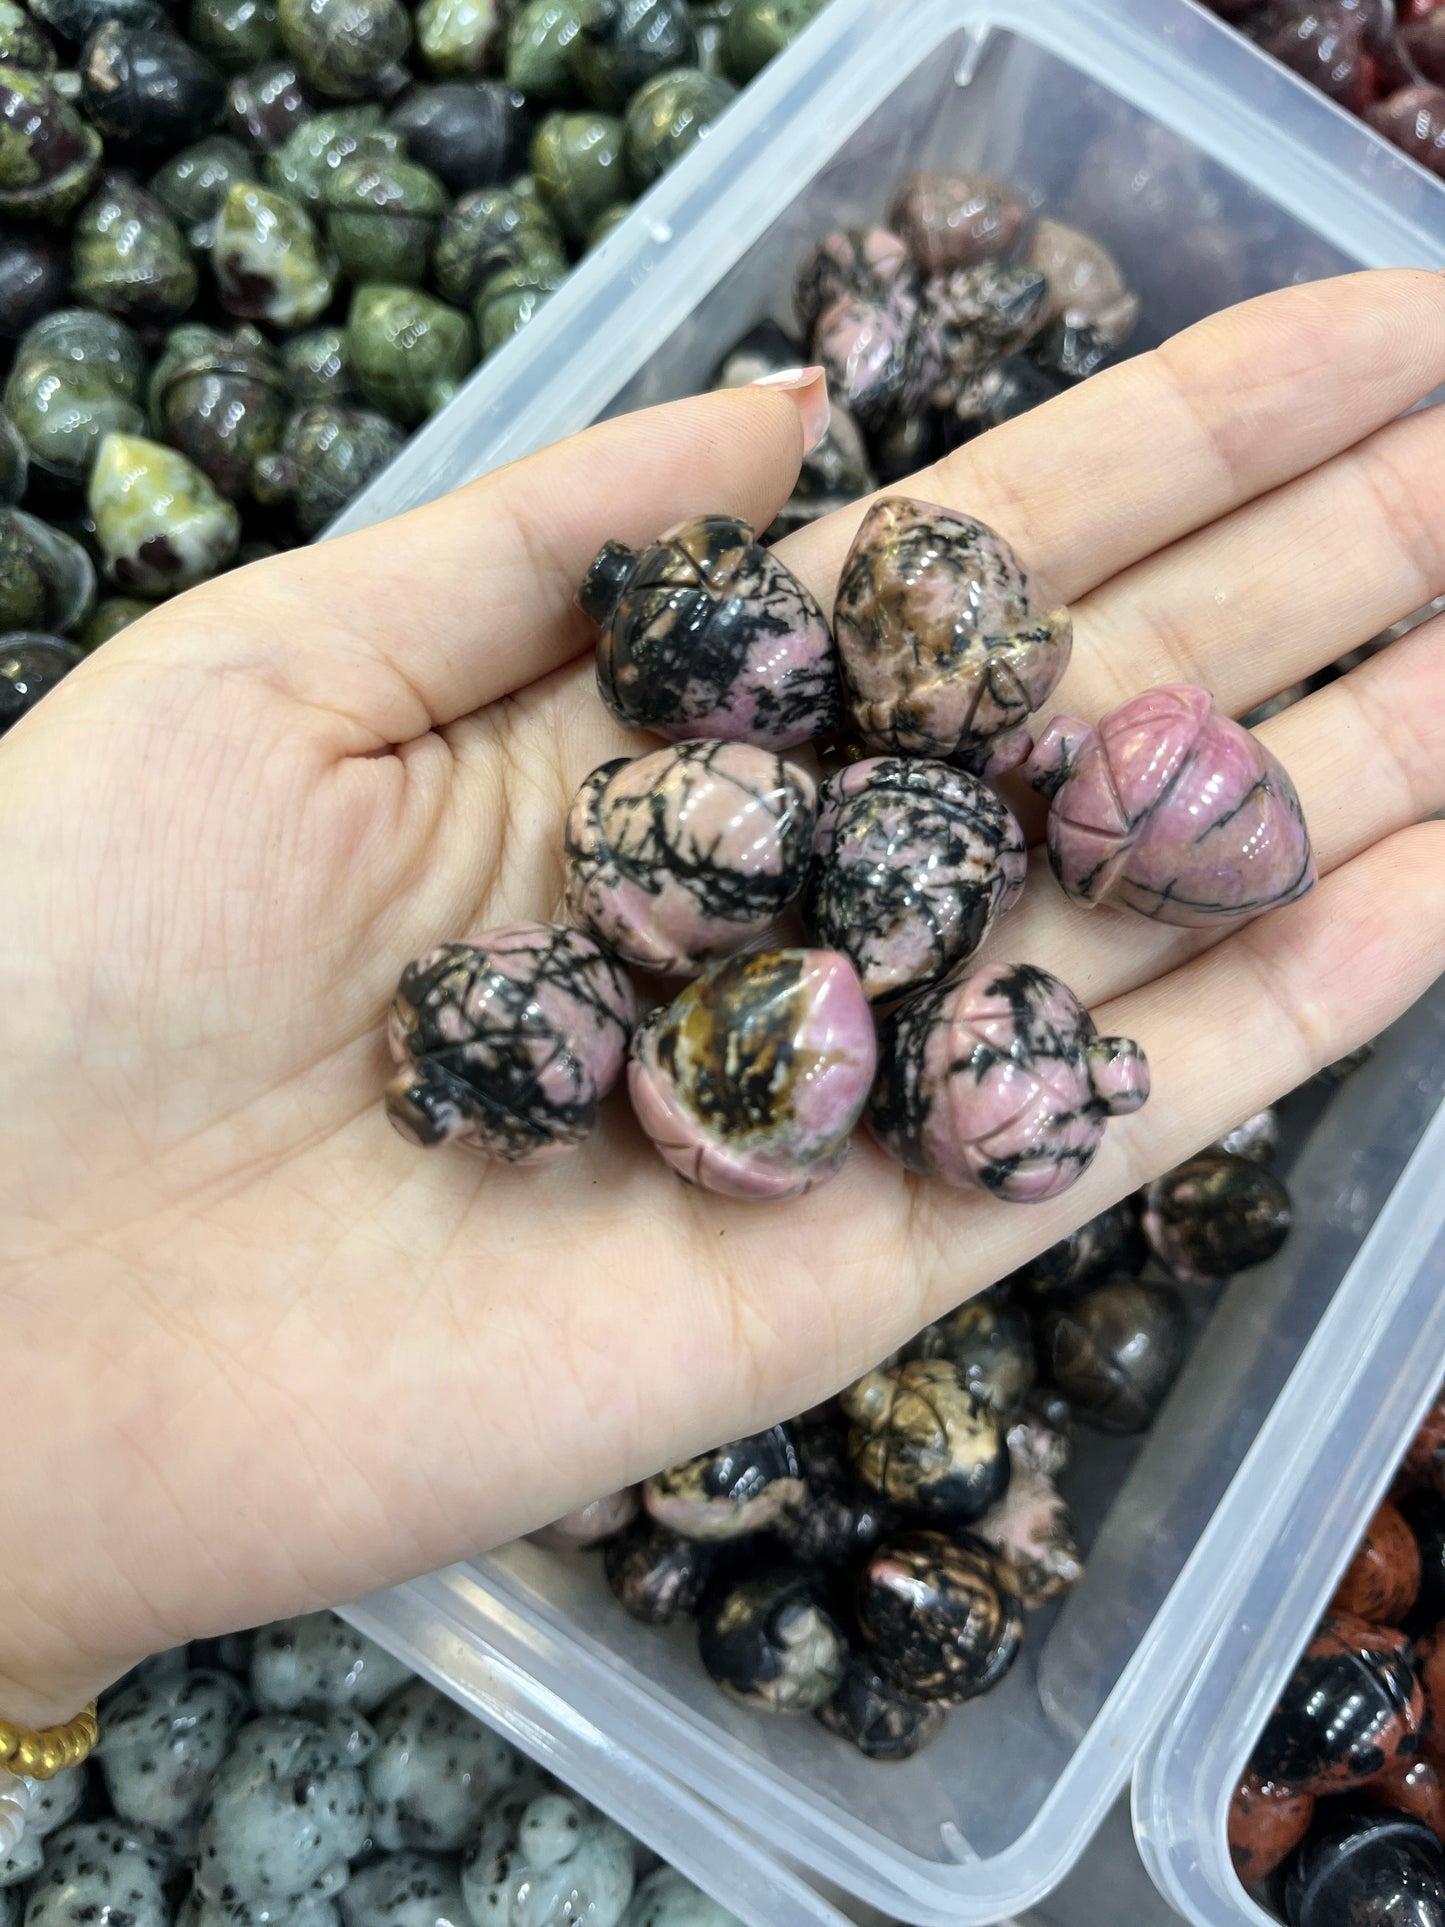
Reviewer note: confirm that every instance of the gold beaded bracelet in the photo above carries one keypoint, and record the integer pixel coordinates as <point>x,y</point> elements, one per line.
<point>41,1755</point>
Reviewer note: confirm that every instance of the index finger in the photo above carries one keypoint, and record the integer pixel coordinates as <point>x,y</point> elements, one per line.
<point>1167,443</point>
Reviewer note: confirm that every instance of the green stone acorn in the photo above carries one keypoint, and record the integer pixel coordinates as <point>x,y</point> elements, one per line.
<point>22,42</point>
<point>49,154</point>
<point>456,37</point>
<point>539,48</point>
<point>47,580</point>
<point>236,34</point>
<point>577,165</point>
<point>129,257</point>
<point>345,48</point>
<point>160,524</point>
<point>315,367</point>
<point>77,378</point>
<point>757,30</point>
<point>607,220</point>
<point>327,454</point>
<point>622,44</point>
<point>269,261</point>
<point>14,461</point>
<point>192,186</point>
<point>221,400</point>
<point>409,352</point>
<point>114,613</point>
<point>382,217</point>
<point>668,116</point>
<point>310,156</point>
<point>490,229</point>
<point>510,299</point>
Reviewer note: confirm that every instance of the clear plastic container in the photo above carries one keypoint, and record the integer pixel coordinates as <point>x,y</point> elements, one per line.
<point>1212,174</point>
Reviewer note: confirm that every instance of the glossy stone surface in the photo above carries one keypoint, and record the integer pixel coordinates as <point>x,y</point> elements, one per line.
<point>471,133</point>
<point>508,1044</point>
<point>98,1870</point>
<point>770,1643</point>
<point>1089,312</point>
<point>49,154</point>
<point>405,1890</point>
<point>944,651</point>
<point>34,280</point>
<point>956,220</point>
<point>148,88</point>
<point>345,48</point>
<point>409,352</point>
<point>512,297</point>
<point>30,667</point>
<point>678,858</point>
<point>838,1520</point>
<point>57,1800</point>
<point>1173,811</point>
<point>876,1717</point>
<point>76,378</point>
<point>922,1440</point>
<point>750,1082</point>
<point>192,186</point>
<point>939,1615</point>
<point>47,580</point>
<point>488,230</point>
<point>870,264</point>
<point>834,473</point>
<point>667,117</point>
<point>317,1664</point>
<point>1257,1138</point>
<point>666,1899</point>
<point>1352,1707</point>
<point>913,862</point>
<point>1367,1870</point>
<point>551,1862</point>
<point>969,319</point>
<point>435,1769</point>
<point>235,34</point>
<point>23,43</point>
<point>270,263</point>
<point>1103,1245</point>
<point>286,1812</point>
<point>1002,392</point>
<point>163,1740</point>
<point>1032,1533</point>
<point>382,217</point>
<point>266,105</point>
<point>706,633</point>
<point>221,400</point>
<point>590,1524</point>
<point>456,37</point>
<point>539,47</point>
<point>1215,1215</point>
<point>737,1489</point>
<point>999,1081</point>
<point>656,1574</point>
<point>76,20</point>
<point>577,162</point>
<point>1114,1352</point>
<point>1381,1581</point>
<point>622,44</point>
<point>110,615</point>
<point>315,367</point>
<point>1267,1821</point>
<point>328,453</point>
<point>990,1343</point>
<point>318,147</point>
<point>1410,1786</point>
<point>756,31</point>
<point>160,524</point>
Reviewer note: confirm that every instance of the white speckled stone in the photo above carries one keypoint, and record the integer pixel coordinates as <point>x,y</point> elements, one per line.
<point>556,1862</point>
<point>286,1812</point>
<point>161,1743</point>
<point>319,1664</point>
<point>406,1890</point>
<point>22,1862</point>
<point>197,1911</point>
<point>435,1769</point>
<point>98,1874</point>
<point>54,1801</point>
<point>666,1899</point>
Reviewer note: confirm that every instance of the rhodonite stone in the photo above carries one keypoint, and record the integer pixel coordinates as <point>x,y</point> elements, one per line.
<point>969,319</point>
<point>991,1343</point>
<point>1215,1215</point>
<point>922,1440</point>
<point>1031,1530</point>
<point>999,1080</point>
<point>868,262</point>
<point>1088,311</point>
<point>942,650</point>
<point>751,1080</point>
<point>707,633</point>
<point>882,1722</point>
<point>739,1488</point>
<point>677,858</point>
<point>912,863</point>
<point>1172,810</point>
<point>508,1044</point>
<point>956,220</point>
<point>857,297</point>
<point>940,1616</point>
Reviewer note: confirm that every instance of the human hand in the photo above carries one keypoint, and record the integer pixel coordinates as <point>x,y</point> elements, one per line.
<point>262,1355</point>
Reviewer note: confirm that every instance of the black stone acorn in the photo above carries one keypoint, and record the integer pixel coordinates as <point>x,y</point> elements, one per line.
<point>1375,1869</point>
<point>1215,1215</point>
<point>740,1488</point>
<point>34,280</point>
<point>656,1574</point>
<point>1099,1249</point>
<point>769,1641</point>
<point>1114,1352</point>
<point>1352,1707</point>
<point>469,133</point>
<point>939,1615</point>
<point>991,1345</point>
<point>922,1441</point>
<point>30,667</point>
<point>882,1722</point>
<point>148,88</point>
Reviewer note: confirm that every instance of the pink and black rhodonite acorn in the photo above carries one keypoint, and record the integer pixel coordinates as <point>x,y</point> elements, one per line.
<point>912,862</point>
<point>750,1082</point>
<point>943,650</point>
<point>707,633</point>
<point>678,858</point>
<point>1171,809</point>
<point>508,1044</point>
<point>1000,1081</point>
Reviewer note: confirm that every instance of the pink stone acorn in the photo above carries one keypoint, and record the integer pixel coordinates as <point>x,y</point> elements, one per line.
<point>943,650</point>
<point>1171,809</point>
<point>681,857</point>
<point>999,1081</point>
<point>508,1044</point>
<point>751,1080</point>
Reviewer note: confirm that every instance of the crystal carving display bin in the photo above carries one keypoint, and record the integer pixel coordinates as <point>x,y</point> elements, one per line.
<point>1189,155</point>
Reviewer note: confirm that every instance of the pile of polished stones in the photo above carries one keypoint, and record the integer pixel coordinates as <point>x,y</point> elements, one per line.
<point>248,247</point>
<point>301,1777</point>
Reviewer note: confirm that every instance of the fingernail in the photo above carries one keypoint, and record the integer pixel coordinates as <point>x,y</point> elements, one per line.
<point>809,389</point>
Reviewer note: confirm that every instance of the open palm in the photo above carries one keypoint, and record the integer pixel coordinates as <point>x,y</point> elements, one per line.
<point>261,1354</point>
